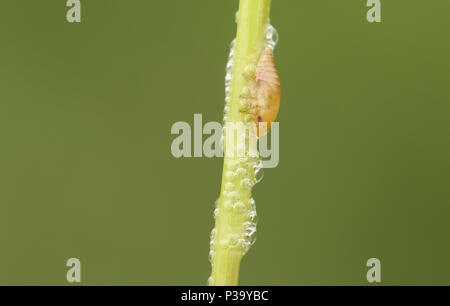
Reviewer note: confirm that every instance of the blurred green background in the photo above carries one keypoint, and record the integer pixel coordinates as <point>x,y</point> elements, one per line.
<point>86,169</point>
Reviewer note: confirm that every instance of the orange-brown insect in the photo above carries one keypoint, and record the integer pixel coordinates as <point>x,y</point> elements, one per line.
<point>265,92</point>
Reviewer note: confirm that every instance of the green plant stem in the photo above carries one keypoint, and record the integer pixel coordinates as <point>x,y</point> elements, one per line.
<point>230,243</point>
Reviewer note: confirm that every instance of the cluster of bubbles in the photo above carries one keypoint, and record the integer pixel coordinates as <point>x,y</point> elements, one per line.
<point>238,181</point>
<point>228,78</point>
<point>271,37</point>
<point>212,239</point>
<point>271,41</point>
<point>238,177</point>
<point>210,281</point>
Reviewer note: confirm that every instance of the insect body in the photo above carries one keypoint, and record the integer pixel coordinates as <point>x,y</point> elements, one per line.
<point>265,92</point>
